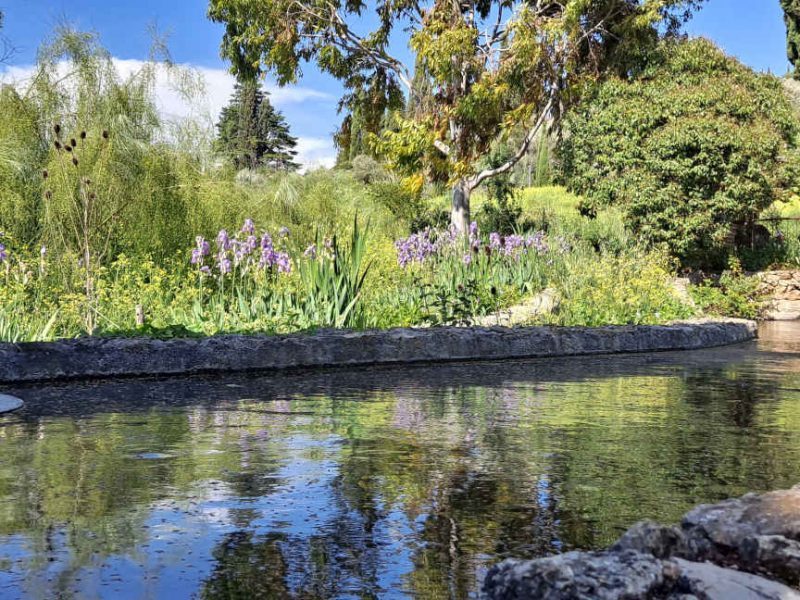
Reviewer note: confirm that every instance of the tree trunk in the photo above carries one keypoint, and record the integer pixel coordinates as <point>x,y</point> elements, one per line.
<point>459,214</point>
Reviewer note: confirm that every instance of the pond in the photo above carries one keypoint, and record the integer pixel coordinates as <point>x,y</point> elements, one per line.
<point>372,483</point>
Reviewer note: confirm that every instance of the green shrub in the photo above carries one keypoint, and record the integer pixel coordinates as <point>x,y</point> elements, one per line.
<point>732,294</point>
<point>687,148</point>
<point>633,288</point>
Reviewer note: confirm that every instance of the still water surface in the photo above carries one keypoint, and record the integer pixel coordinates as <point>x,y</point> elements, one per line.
<point>379,483</point>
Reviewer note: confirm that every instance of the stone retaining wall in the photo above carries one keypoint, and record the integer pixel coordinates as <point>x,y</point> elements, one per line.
<point>782,290</point>
<point>99,358</point>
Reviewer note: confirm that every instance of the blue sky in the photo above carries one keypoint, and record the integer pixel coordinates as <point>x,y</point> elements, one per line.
<point>751,30</point>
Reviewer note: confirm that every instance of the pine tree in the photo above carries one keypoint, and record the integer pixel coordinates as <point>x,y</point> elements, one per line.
<point>252,133</point>
<point>791,15</point>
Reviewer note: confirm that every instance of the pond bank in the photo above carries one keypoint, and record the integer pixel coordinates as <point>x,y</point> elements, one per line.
<point>100,357</point>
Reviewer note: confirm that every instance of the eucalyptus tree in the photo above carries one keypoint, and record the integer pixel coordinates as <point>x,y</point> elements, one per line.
<point>475,71</point>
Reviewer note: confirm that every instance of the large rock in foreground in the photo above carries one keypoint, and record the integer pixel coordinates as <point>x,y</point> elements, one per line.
<point>746,548</point>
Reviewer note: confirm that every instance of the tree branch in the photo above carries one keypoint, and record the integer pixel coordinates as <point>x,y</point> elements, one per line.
<point>509,164</point>
<point>442,147</point>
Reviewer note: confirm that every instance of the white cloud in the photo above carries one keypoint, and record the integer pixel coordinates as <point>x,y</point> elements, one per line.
<point>315,152</point>
<point>217,86</point>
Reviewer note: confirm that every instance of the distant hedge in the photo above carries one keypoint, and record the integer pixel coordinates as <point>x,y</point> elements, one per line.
<point>690,147</point>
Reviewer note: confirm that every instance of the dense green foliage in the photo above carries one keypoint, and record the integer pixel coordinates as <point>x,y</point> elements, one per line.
<point>102,201</point>
<point>252,133</point>
<point>690,148</point>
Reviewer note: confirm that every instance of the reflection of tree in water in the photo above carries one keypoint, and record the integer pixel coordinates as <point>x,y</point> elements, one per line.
<point>247,567</point>
<point>734,394</point>
<point>80,492</point>
<point>338,556</point>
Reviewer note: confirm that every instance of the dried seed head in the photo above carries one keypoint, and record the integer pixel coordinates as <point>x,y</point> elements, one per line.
<point>57,145</point>
<point>45,174</point>
<point>75,161</point>
<point>73,142</point>
<point>57,129</point>
<point>105,134</point>
<point>48,194</point>
<point>68,148</point>
<point>92,196</point>
<point>83,135</point>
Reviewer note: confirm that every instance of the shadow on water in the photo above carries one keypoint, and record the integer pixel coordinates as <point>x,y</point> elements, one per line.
<point>385,482</point>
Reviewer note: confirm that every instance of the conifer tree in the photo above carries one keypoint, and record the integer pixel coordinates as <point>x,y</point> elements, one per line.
<point>252,133</point>
<point>791,15</point>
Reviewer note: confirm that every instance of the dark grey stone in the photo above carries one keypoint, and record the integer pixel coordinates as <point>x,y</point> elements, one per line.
<point>102,357</point>
<point>581,575</point>
<point>709,582</point>
<point>746,547</point>
<point>758,533</point>
<point>625,575</point>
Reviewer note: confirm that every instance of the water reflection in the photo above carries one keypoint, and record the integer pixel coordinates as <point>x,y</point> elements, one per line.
<point>377,483</point>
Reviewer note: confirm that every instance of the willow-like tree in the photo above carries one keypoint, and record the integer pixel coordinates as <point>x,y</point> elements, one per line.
<point>481,68</point>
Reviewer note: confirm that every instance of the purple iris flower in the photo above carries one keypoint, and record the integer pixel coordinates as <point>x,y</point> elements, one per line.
<point>224,263</point>
<point>223,240</point>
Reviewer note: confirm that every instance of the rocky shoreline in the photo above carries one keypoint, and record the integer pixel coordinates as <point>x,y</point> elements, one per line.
<point>746,548</point>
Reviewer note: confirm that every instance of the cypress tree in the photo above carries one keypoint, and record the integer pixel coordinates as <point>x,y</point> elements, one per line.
<point>791,15</point>
<point>252,133</point>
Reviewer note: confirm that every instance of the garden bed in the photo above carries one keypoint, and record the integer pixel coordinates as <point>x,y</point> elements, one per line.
<point>116,357</point>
